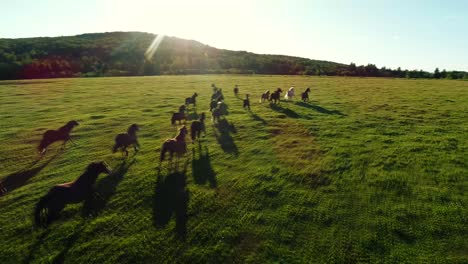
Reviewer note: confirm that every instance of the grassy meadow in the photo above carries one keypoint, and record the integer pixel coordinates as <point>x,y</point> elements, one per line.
<point>372,170</point>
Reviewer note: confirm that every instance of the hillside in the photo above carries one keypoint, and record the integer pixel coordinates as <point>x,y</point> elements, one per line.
<point>122,54</point>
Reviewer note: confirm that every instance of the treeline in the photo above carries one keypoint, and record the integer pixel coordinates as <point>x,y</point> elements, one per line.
<point>123,54</point>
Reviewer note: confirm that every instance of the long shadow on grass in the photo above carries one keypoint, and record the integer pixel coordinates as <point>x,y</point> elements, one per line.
<point>21,177</point>
<point>171,197</point>
<point>105,189</point>
<point>202,171</point>
<point>257,118</point>
<point>288,112</point>
<point>223,130</point>
<point>320,109</point>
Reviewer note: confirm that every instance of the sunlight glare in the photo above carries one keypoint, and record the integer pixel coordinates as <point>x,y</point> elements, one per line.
<point>153,47</point>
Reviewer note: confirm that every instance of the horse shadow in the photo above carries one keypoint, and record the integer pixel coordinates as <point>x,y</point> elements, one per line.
<point>202,171</point>
<point>105,189</point>
<point>320,109</point>
<point>171,198</point>
<point>288,112</point>
<point>223,131</point>
<point>257,118</point>
<point>21,177</point>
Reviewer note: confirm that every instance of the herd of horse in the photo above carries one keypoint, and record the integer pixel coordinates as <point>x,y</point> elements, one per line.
<point>77,191</point>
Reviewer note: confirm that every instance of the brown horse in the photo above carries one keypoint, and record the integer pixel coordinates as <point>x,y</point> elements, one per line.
<point>175,145</point>
<point>236,90</point>
<point>51,136</point>
<point>122,141</point>
<point>60,195</point>
<point>265,96</point>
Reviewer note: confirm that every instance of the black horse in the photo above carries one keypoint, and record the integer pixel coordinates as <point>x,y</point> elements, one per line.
<point>122,141</point>
<point>246,102</point>
<point>305,95</point>
<point>51,136</point>
<point>60,195</point>
<point>275,96</point>
<point>179,116</point>
<point>197,127</point>
<point>182,108</point>
<point>191,100</point>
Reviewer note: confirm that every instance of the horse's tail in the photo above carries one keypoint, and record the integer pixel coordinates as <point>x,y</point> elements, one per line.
<point>40,206</point>
<point>163,151</point>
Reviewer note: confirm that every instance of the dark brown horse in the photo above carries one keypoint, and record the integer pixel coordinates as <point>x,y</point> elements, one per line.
<point>197,127</point>
<point>122,141</point>
<point>305,95</point>
<point>175,145</point>
<point>191,100</point>
<point>60,195</point>
<point>179,116</point>
<point>218,111</point>
<point>236,90</point>
<point>275,96</point>
<point>246,102</point>
<point>51,136</point>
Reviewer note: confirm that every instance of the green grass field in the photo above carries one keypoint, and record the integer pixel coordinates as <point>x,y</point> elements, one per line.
<point>372,170</point>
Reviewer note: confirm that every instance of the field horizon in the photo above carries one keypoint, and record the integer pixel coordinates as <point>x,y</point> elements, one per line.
<point>370,170</point>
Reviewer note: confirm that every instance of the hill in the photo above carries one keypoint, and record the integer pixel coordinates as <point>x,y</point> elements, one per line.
<point>123,54</point>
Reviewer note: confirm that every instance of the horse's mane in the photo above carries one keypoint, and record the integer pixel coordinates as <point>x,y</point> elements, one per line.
<point>181,134</point>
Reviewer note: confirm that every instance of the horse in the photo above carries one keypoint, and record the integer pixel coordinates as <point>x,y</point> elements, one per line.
<point>123,141</point>
<point>213,105</point>
<point>175,145</point>
<point>217,95</point>
<point>218,111</point>
<point>289,94</point>
<point>179,116</point>
<point>191,100</point>
<point>182,108</point>
<point>50,205</point>
<point>236,90</point>
<point>197,127</point>
<point>265,96</point>
<point>275,96</point>
<point>246,102</point>
<point>305,95</point>
<point>51,136</point>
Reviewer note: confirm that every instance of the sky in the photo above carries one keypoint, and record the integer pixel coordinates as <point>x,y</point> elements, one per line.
<point>412,34</point>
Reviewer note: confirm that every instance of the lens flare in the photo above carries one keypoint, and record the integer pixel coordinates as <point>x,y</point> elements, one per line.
<point>153,47</point>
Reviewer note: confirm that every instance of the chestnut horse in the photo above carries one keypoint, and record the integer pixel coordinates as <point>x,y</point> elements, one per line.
<point>175,145</point>
<point>51,136</point>
<point>60,195</point>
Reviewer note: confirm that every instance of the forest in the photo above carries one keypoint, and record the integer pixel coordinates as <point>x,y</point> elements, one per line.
<point>123,54</point>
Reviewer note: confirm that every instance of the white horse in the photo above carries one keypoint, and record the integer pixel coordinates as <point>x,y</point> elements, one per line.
<point>289,94</point>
